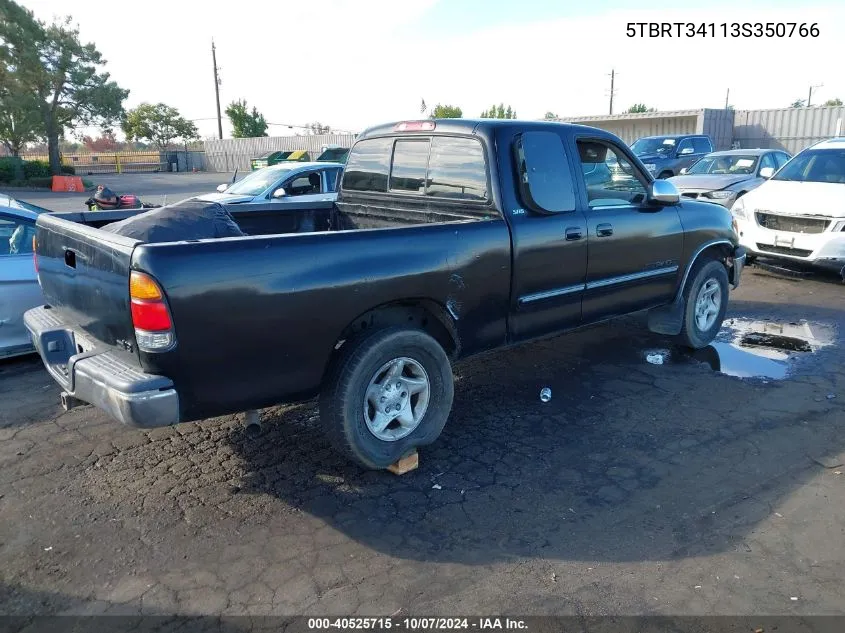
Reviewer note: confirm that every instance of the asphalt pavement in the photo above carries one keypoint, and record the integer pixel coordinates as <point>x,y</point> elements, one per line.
<point>158,188</point>
<point>652,482</point>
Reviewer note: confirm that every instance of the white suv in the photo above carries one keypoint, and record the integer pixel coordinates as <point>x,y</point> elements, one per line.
<point>799,213</point>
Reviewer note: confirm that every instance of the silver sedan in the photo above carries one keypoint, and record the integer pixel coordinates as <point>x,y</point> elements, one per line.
<point>19,289</point>
<point>722,177</point>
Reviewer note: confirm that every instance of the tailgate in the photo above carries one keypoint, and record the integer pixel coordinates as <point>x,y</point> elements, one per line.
<point>84,275</point>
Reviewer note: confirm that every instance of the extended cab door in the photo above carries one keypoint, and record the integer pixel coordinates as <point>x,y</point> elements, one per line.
<point>549,234</point>
<point>634,248</point>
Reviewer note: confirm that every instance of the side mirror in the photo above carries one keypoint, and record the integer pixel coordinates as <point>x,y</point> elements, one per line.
<point>686,150</point>
<point>767,172</point>
<point>663,192</point>
<point>279,193</point>
<point>683,171</point>
<point>222,188</point>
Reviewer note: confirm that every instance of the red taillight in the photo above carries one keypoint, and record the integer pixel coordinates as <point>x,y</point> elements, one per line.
<point>151,316</point>
<point>34,255</point>
<point>414,126</point>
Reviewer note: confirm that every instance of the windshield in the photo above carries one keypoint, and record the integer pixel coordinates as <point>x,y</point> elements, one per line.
<point>653,145</point>
<point>725,164</point>
<point>821,165</point>
<point>257,182</point>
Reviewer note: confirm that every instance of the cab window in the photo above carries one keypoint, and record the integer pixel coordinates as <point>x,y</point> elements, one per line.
<point>545,183</point>
<point>16,235</point>
<point>305,184</point>
<point>609,177</point>
<point>702,145</point>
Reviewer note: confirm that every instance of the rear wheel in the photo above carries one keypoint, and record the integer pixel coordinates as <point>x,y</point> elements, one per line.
<point>388,393</point>
<point>705,304</point>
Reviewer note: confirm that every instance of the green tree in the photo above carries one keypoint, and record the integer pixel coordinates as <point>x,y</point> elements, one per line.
<point>160,124</point>
<point>246,124</point>
<point>551,116</point>
<point>833,102</point>
<point>499,112</point>
<point>798,103</point>
<point>318,128</point>
<point>637,108</point>
<point>19,120</point>
<point>446,112</point>
<point>62,74</point>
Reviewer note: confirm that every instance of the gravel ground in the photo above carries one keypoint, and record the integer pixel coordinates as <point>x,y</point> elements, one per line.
<point>638,489</point>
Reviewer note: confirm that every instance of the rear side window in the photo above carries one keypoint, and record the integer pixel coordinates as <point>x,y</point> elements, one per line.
<point>410,161</point>
<point>439,166</point>
<point>457,169</point>
<point>545,182</point>
<point>368,165</point>
<point>702,145</point>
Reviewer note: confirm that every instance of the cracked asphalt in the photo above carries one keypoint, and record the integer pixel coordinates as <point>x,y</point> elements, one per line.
<point>638,489</point>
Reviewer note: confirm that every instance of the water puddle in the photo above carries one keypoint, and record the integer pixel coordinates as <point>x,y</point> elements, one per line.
<point>748,348</point>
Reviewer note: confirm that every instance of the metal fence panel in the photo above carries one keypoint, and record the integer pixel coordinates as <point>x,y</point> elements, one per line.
<point>791,129</point>
<point>123,162</point>
<point>228,154</point>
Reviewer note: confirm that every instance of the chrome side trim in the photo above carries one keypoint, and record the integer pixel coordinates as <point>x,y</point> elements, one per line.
<point>548,294</point>
<point>695,256</point>
<point>646,274</point>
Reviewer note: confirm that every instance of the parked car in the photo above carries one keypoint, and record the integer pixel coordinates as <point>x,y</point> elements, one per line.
<point>282,183</point>
<point>665,156</point>
<point>722,177</point>
<point>19,289</point>
<point>449,238</point>
<point>799,213</point>
<point>280,156</point>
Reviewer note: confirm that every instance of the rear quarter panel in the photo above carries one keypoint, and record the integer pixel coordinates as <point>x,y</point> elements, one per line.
<point>257,319</point>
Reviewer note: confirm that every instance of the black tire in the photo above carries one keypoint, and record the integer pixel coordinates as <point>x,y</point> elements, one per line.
<point>703,271</point>
<point>750,259</point>
<point>343,395</point>
<point>664,175</point>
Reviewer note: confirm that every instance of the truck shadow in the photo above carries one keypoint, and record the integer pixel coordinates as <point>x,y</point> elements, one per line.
<point>629,460</point>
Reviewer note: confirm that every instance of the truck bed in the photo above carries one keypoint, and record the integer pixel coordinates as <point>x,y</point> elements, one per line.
<point>238,303</point>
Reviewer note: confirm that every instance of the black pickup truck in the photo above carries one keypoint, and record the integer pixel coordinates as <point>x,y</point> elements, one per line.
<point>449,238</point>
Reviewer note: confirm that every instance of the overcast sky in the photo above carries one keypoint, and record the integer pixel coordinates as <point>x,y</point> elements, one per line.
<point>353,63</point>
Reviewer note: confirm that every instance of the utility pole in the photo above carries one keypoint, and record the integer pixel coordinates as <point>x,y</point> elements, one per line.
<point>217,90</point>
<point>612,91</point>
<point>810,96</point>
<point>727,96</point>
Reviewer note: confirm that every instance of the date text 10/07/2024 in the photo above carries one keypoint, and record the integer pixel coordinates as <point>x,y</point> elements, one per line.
<point>722,29</point>
<point>417,624</point>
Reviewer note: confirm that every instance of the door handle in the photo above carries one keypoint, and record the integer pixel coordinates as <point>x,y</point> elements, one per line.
<point>604,230</point>
<point>574,233</point>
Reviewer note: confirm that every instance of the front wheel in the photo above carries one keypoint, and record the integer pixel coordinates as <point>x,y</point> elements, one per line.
<point>388,393</point>
<point>664,175</point>
<point>705,304</point>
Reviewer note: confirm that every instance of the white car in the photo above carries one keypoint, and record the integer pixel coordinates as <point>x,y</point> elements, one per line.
<point>799,213</point>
